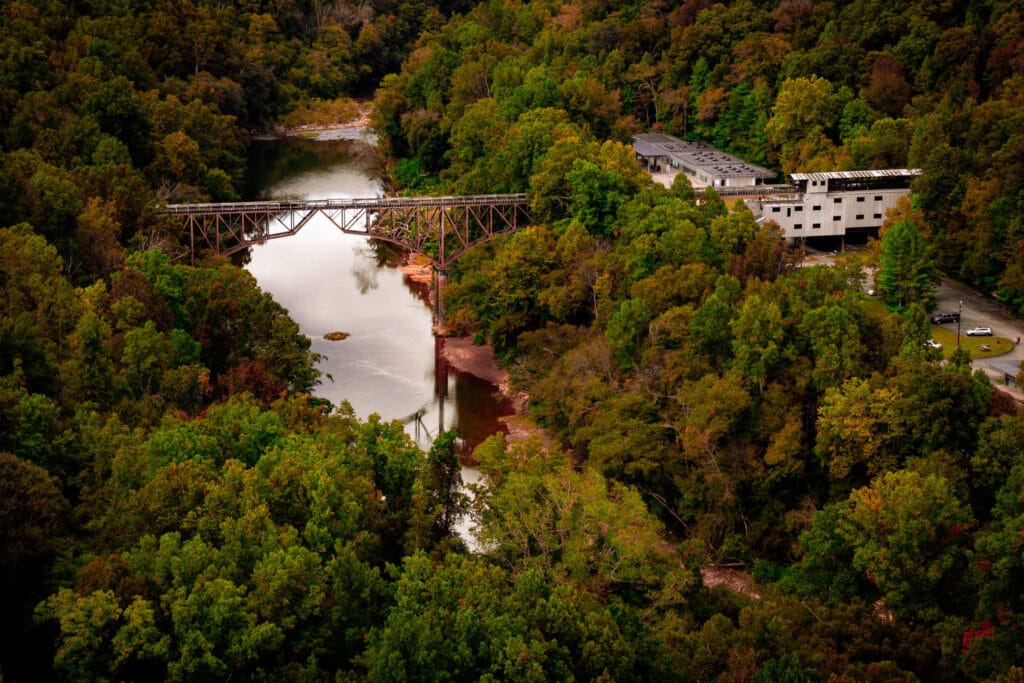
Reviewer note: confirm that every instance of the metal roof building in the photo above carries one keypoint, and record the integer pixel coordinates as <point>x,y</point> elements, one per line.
<point>837,203</point>
<point>703,164</point>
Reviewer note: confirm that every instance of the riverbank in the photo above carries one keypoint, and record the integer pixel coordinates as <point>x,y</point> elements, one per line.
<point>353,128</point>
<point>479,360</point>
<point>417,267</point>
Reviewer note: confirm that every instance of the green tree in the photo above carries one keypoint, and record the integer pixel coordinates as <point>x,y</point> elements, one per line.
<point>33,514</point>
<point>856,426</point>
<point>570,292</point>
<point>908,534</point>
<point>826,567</point>
<point>464,617</point>
<point>596,195</point>
<point>504,291</point>
<point>118,109</point>
<point>581,530</point>
<point>145,358</point>
<point>906,273</point>
<point>987,640</point>
<point>835,338</point>
<point>806,111</point>
<point>442,499</point>
<point>757,338</point>
<point>627,330</point>
<point>38,307</point>
<point>88,371</point>
<point>999,440</point>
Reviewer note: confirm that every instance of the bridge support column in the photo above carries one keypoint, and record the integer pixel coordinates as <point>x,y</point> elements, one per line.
<point>440,278</point>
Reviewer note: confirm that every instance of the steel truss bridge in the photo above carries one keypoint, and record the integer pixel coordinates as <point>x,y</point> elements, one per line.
<point>441,228</point>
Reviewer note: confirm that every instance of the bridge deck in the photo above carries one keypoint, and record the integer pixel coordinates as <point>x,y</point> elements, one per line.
<point>441,228</point>
<point>355,203</point>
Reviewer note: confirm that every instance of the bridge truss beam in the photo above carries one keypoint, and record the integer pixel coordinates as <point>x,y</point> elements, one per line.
<point>441,228</point>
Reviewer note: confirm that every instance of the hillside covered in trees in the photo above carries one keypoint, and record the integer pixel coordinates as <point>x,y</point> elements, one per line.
<point>174,504</point>
<point>796,85</point>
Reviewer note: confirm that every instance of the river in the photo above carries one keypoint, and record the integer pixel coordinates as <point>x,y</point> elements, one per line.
<point>390,364</point>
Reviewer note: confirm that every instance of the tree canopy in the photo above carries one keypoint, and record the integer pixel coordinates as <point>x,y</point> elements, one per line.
<point>753,470</point>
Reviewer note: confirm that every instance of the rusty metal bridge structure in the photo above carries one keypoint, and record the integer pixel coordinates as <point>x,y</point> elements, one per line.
<point>440,228</point>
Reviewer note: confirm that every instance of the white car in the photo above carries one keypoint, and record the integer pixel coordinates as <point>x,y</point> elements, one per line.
<point>932,344</point>
<point>979,332</point>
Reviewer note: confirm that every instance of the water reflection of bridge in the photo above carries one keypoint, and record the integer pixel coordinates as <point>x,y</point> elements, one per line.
<point>441,228</point>
<point>420,427</point>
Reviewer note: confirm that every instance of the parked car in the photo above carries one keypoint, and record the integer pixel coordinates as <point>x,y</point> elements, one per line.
<point>944,317</point>
<point>932,344</point>
<point>979,332</point>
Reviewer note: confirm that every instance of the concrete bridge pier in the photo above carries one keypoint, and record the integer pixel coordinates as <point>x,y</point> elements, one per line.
<point>440,279</point>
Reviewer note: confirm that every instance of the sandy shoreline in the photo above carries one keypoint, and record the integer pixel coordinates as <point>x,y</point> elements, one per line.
<point>418,269</point>
<point>353,129</point>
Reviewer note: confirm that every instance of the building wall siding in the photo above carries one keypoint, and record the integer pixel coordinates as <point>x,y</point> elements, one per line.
<point>831,214</point>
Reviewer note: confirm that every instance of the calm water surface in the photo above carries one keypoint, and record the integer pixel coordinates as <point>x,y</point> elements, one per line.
<point>330,282</point>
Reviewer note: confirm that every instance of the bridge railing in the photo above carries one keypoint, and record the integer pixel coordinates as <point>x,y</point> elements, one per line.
<point>354,203</point>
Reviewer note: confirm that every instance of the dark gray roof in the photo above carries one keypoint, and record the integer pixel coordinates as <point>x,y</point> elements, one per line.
<point>697,155</point>
<point>647,149</point>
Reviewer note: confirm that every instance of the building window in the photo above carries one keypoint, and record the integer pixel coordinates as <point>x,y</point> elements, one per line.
<point>798,208</point>
<point>816,207</point>
<point>860,199</point>
<point>814,183</point>
<point>798,226</point>
<point>776,209</point>
<point>878,197</point>
<point>878,215</point>
<point>837,200</point>
<point>860,216</point>
<point>816,225</point>
<point>837,218</point>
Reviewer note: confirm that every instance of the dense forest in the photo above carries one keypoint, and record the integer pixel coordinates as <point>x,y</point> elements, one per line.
<point>175,503</point>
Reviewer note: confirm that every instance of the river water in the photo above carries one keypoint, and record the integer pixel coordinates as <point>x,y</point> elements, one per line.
<point>332,282</point>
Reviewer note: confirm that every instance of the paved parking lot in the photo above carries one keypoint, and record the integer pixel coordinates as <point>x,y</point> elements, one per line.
<point>980,310</point>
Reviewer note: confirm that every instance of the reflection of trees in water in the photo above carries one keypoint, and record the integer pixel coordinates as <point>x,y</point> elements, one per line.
<point>368,159</point>
<point>365,268</point>
<point>386,255</point>
<point>271,162</point>
<point>370,257</point>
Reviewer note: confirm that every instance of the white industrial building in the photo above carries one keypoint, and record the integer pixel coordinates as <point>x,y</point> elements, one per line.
<point>667,156</point>
<point>837,203</point>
